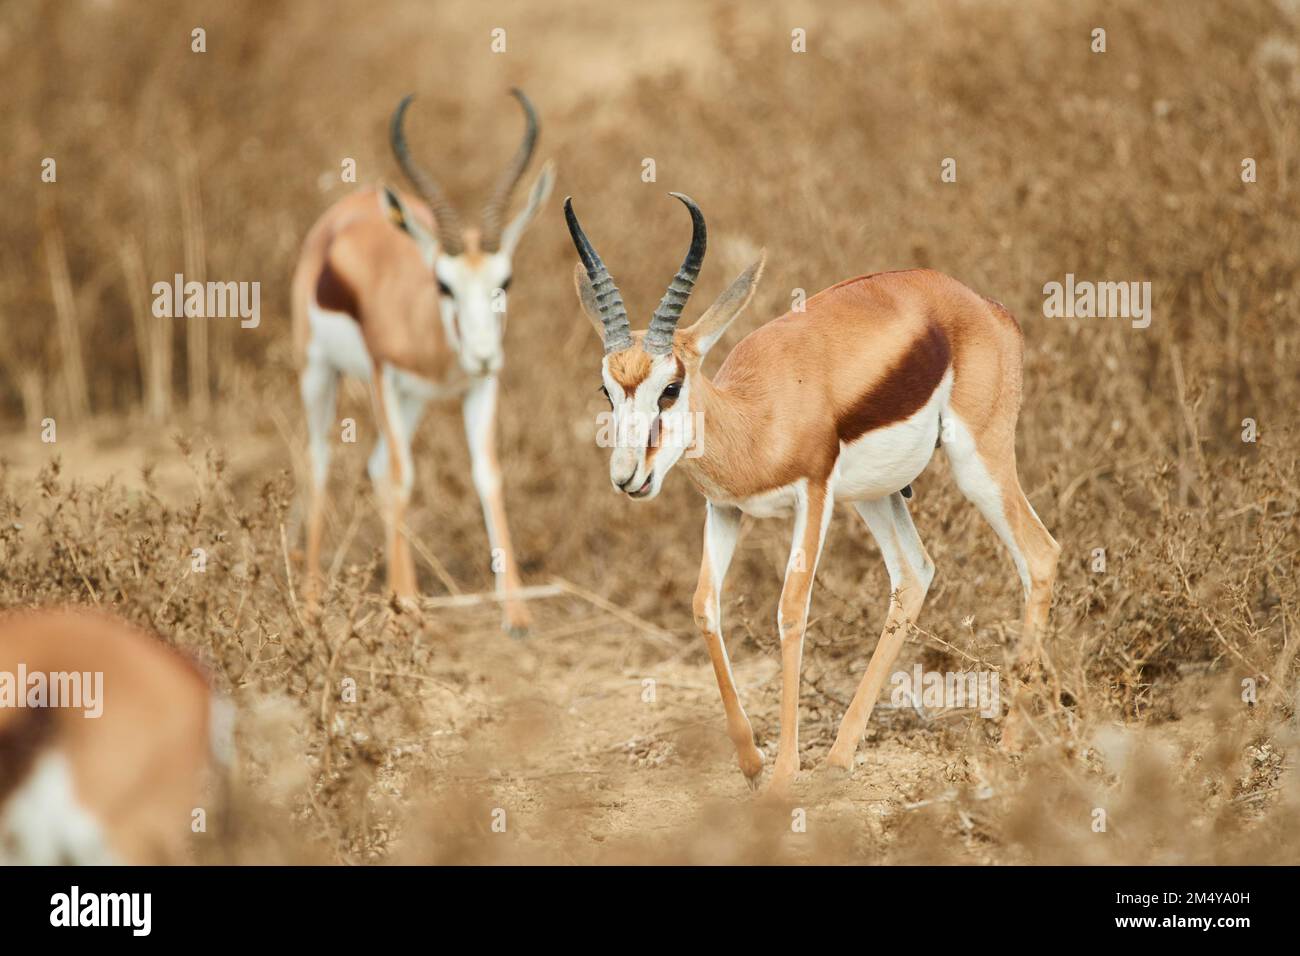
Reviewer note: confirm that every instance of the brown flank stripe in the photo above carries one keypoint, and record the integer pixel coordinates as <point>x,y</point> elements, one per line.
<point>333,293</point>
<point>21,739</point>
<point>903,390</point>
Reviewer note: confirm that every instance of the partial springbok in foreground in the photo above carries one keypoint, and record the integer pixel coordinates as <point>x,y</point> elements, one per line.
<point>845,401</point>
<point>395,292</point>
<point>106,734</point>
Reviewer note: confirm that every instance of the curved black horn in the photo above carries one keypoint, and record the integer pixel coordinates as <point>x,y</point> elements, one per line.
<point>659,338</point>
<point>613,313</point>
<point>444,214</point>
<point>495,210</point>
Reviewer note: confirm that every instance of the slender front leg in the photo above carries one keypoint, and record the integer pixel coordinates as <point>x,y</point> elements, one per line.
<point>812,515</point>
<point>721,526</point>
<point>480,430</point>
<point>397,488</point>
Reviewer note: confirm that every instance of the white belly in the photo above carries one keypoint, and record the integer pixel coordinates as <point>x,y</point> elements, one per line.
<point>336,341</point>
<point>878,464</point>
<point>886,459</point>
<point>777,503</point>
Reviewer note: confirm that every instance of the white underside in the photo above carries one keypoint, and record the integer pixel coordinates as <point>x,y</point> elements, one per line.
<point>336,343</point>
<point>336,347</point>
<point>43,823</point>
<point>870,473</point>
<point>874,466</point>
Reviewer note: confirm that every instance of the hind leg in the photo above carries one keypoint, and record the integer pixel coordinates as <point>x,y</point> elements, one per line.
<point>910,573</point>
<point>984,465</point>
<point>319,387</point>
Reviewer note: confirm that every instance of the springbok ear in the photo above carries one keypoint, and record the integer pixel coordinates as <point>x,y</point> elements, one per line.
<point>395,210</point>
<point>709,327</point>
<point>587,296</point>
<point>536,197</point>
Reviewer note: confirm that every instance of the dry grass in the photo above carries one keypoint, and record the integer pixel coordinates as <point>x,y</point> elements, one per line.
<point>1121,166</point>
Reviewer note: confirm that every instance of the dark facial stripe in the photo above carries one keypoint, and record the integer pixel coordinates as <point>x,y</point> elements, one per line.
<point>903,390</point>
<point>652,447</point>
<point>656,439</point>
<point>334,293</point>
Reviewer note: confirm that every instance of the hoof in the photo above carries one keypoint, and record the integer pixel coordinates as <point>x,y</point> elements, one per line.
<point>778,793</point>
<point>835,772</point>
<point>751,765</point>
<point>838,760</point>
<point>406,603</point>
<point>781,788</point>
<point>517,620</point>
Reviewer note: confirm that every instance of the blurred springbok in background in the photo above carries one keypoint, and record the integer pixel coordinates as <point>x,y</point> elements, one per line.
<point>396,292</point>
<point>106,737</point>
<point>843,401</point>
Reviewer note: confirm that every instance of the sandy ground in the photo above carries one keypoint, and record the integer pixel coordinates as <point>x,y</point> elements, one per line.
<point>600,737</point>
<point>600,716</point>
<point>1124,166</point>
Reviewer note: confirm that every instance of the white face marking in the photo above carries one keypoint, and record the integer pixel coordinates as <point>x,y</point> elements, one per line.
<point>638,423</point>
<point>474,314</point>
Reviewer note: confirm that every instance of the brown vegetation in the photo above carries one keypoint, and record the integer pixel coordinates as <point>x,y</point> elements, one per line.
<point>1117,166</point>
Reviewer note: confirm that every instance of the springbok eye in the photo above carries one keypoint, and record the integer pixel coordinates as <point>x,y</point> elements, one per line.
<point>670,394</point>
<point>604,391</point>
<point>444,288</point>
<point>505,284</point>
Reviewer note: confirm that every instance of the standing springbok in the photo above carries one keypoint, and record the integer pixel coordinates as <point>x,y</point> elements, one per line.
<point>106,735</point>
<point>844,401</point>
<point>397,293</point>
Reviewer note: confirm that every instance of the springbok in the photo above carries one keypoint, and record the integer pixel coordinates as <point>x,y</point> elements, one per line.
<point>106,735</point>
<point>845,400</point>
<point>395,292</point>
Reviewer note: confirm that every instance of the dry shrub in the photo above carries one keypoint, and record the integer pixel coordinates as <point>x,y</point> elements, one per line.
<point>1119,166</point>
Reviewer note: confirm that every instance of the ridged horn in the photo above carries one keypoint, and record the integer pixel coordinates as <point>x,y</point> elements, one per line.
<point>659,337</point>
<point>613,313</point>
<point>495,210</point>
<point>450,236</point>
